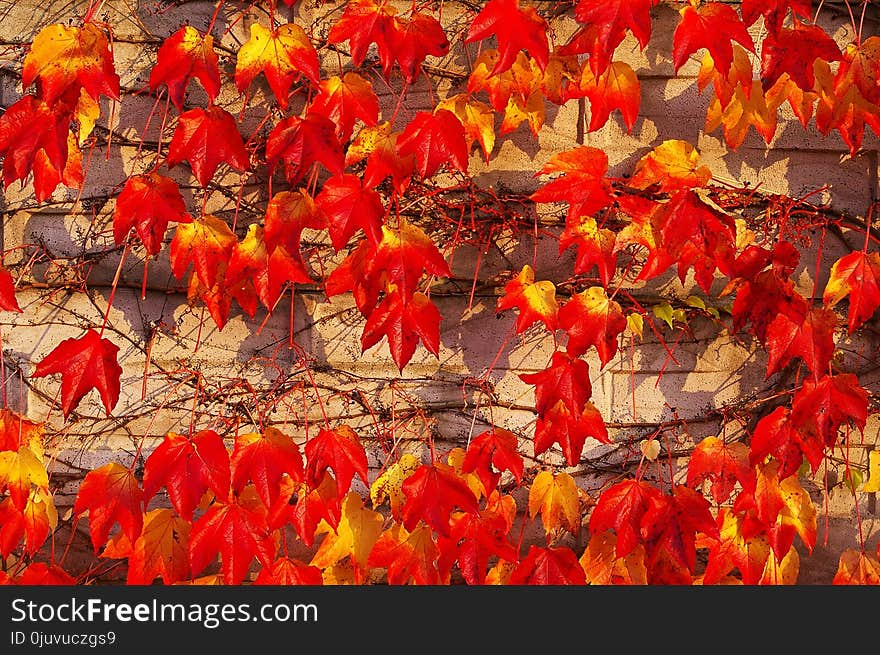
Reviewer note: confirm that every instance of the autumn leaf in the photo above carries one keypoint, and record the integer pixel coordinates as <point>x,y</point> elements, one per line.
<point>592,319</point>
<point>345,99</point>
<point>8,301</point>
<point>812,340</point>
<point>872,486</point>
<point>204,138</point>
<point>602,566</point>
<point>567,379</point>
<point>110,494</point>
<point>339,449</point>
<point>723,465</point>
<point>740,76</point>
<point>515,28</point>
<point>32,134</point>
<point>548,566</point>
<point>733,548</point>
<point>161,550</point>
<point>747,108</point>
<point>595,246</point>
<point>622,508</point>
<point>582,182</point>
<point>793,52</point>
<point>314,505</point>
<point>856,275</point>
<point>776,435</point>
<point>148,203</point>
<point>389,485</point>
<point>404,255</point>
<point>237,532</point>
<point>431,494</point>
<point>183,56</point>
<point>415,38</point>
<point>613,18</point>
<point>19,470</point>
<point>264,458</point>
<point>670,526</point>
<point>857,568</point>
<point>281,54</point>
<point>350,205</point>
<point>357,533</point>
<point>536,301</point>
<point>408,556</point>
<point>207,243</point>
<point>378,145</point>
<point>434,139</point>
<point>617,87</point>
<point>33,523</point>
<point>774,11</point>
<point>287,215</point>
<point>476,117</point>
<point>712,26</point>
<point>62,58</point>
<point>782,571</point>
<point>672,165</point>
<point>86,363</point>
<point>555,497</point>
<point>299,143</point>
<point>476,538</point>
<point>287,571</point>
<point>188,467</point>
<point>40,573</point>
<point>365,22</point>
<point>822,406</point>
<point>404,321</point>
<point>494,448</point>
<point>559,425</point>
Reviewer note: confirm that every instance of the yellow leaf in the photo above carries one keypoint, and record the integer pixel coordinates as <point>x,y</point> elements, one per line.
<point>389,485</point>
<point>781,573</point>
<point>650,449</point>
<point>674,164</point>
<point>359,529</point>
<point>635,323</point>
<point>556,498</point>
<point>533,110</point>
<point>18,471</point>
<point>857,568</point>
<point>478,120</point>
<point>455,459</point>
<point>872,486</point>
<point>602,566</point>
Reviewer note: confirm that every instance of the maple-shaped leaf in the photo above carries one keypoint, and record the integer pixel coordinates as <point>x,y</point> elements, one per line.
<point>760,300</point>
<point>19,470</point>
<point>287,571</point>
<point>63,58</point>
<point>747,108</point>
<point>595,246</point>
<point>161,550</point>
<point>345,99</point>
<point>413,39</point>
<point>358,530</point>
<point>860,69</point>
<point>185,55</point>
<point>431,494</point>
<point>515,28</point>
<point>582,183</point>
<point>793,52</point>
<point>723,465</point>
<point>365,22</point>
<point>110,494</point>
<point>408,556</point>
<point>148,203</point>
<point>856,275</point>
<point>188,467</point>
<point>670,526</point>
<point>238,532</point>
<point>378,145</point>
<point>299,143</point>
<point>17,430</point>
<point>204,138</point>
<point>86,363</point>
<point>281,54</point>
<point>350,205</point>
<point>207,242</point>
<point>536,301</point>
<point>811,339</point>
<point>713,26</point>
<point>33,523</point>
<point>32,133</point>
<point>734,548</point>
<point>40,573</point>
<point>354,275</point>
<point>617,87</point>
<point>314,505</point>
<point>47,177</point>
<point>556,565</point>
<point>494,448</point>
<point>389,485</point>
<point>842,104</point>
<point>556,498</point>
<point>672,165</point>
<point>8,301</point>
<point>781,571</point>
<point>404,255</point>
<point>287,215</point>
<point>477,118</point>
<point>404,321</point>
<point>434,139</point>
<point>774,11</point>
<point>592,319</point>
<point>740,75</point>
<point>621,508</point>
<point>822,406</point>
<point>532,110</point>
<point>218,297</point>
<point>856,567</point>
<point>264,458</point>
<point>339,449</point>
<point>567,379</point>
<point>775,434</point>
<point>569,429</point>
<point>515,85</point>
<point>602,566</point>
<point>613,18</point>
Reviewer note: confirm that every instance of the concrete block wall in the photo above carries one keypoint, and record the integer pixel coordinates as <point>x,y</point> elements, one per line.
<point>247,370</point>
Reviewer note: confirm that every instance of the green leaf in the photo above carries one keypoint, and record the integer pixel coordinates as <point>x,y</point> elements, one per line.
<point>664,312</point>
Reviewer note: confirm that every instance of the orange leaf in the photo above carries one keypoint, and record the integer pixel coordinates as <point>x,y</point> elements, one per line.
<point>148,203</point>
<point>161,550</point>
<point>339,449</point>
<point>672,165</point>
<point>857,568</point>
<point>555,497</point>
<point>184,55</point>
<point>110,494</point>
<point>548,566</point>
<point>207,242</point>
<point>302,142</point>
<point>858,276</point>
<point>204,138</point>
<point>592,319</point>
<point>343,100</point>
<point>515,28</point>
<point>536,301</point>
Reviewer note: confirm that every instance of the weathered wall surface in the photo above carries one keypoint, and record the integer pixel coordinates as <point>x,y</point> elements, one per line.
<point>247,370</point>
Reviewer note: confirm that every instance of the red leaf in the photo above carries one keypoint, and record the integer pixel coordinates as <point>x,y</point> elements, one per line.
<point>582,183</point>
<point>348,206</point>
<point>40,573</point>
<point>28,128</point>
<point>148,203</point>
<point>477,538</point>
<point>723,464</point>
<point>776,434</point>
<point>621,508</point>
<point>404,321</point>
<point>566,379</point>
<point>301,142</point>
<point>287,215</point>
<point>314,505</point>
<point>84,364</point>
<point>286,571</point>
<point>207,243</point>
<point>496,447</point>
<point>712,26</point>
<point>184,55</point>
<point>536,301</point>
<point>515,28</point>
<point>614,17</point>
<point>378,145</point>
<point>592,319</point>
<point>821,407</point>
<point>111,494</point>
<point>762,299</point>
<point>617,87</point>
<point>595,246</point>
<point>8,301</point>
<point>264,459</point>
<point>204,138</point>
<point>17,431</point>
<point>344,100</point>
<point>857,275</point>
<point>434,139</point>
<point>431,494</point>
<point>412,559</point>
<point>237,533</point>
<point>794,51</point>
<point>811,339</point>
<point>548,566</point>
<point>188,467</point>
<point>339,449</point>
<point>415,38</point>
<point>670,525</point>
<point>774,11</point>
<point>365,22</point>
<point>569,430</point>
